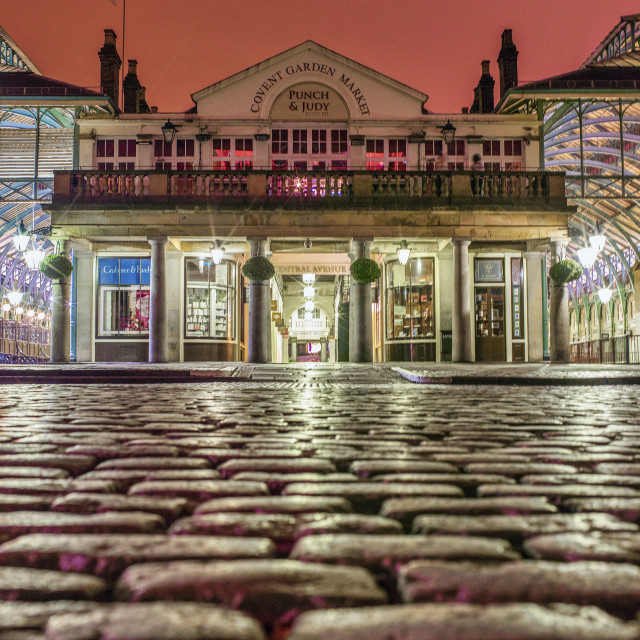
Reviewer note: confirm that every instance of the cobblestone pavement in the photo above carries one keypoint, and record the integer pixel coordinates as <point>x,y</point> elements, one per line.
<point>319,503</point>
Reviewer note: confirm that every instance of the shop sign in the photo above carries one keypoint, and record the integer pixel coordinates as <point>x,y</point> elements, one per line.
<point>274,305</point>
<point>489,270</point>
<point>124,271</point>
<point>276,316</point>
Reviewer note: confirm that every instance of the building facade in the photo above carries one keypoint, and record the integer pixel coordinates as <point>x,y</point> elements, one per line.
<point>313,160</point>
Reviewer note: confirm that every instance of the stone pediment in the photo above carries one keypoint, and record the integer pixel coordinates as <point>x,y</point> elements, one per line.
<point>310,82</point>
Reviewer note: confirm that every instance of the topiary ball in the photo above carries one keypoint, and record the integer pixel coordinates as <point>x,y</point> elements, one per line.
<point>56,267</point>
<point>365,270</point>
<point>258,269</point>
<point>565,271</point>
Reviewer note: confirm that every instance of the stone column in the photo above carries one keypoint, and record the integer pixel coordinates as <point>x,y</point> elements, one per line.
<point>559,310</point>
<point>293,342</point>
<point>360,329</point>
<point>61,315</point>
<point>323,349</point>
<point>332,350</point>
<point>85,329</point>
<point>158,348</point>
<point>535,325</point>
<point>259,312</point>
<point>284,356</point>
<point>461,312</point>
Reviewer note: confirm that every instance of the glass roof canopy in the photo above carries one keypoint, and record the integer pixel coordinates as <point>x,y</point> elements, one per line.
<point>590,127</point>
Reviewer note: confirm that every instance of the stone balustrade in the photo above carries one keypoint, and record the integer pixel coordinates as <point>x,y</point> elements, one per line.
<point>287,188</point>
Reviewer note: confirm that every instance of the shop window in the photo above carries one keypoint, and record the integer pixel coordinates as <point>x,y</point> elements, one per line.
<point>244,150</point>
<point>116,153</point>
<point>491,148</point>
<point>433,147</point>
<point>123,296</point>
<point>338,141</point>
<point>513,147</point>
<point>410,300</point>
<point>375,155</point>
<point>280,141</point>
<point>185,150</point>
<point>221,149</point>
<point>397,149</point>
<point>299,141</point>
<point>456,148</point>
<point>210,299</point>
<point>318,141</point>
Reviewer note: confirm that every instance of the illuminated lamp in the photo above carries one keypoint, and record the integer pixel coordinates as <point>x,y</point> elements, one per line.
<point>21,239</point>
<point>19,311</point>
<point>309,306</point>
<point>403,252</point>
<point>41,315</point>
<point>34,256</point>
<point>308,278</point>
<point>217,252</point>
<point>31,313</point>
<point>201,265</point>
<point>448,132</point>
<point>6,306</point>
<point>308,315</point>
<point>309,292</point>
<point>597,242</point>
<point>169,131</point>
<point>604,295</point>
<point>14,297</point>
<point>587,257</point>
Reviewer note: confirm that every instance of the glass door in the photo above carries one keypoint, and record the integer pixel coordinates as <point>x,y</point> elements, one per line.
<point>489,319</point>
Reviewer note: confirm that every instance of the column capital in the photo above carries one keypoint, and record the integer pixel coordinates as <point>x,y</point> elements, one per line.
<point>258,246</point>
<point>157,239</point>
<point>534,255</point>
<point>461,242</point>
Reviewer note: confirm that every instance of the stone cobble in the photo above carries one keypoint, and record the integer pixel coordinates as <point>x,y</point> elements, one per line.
<point>321,503</point>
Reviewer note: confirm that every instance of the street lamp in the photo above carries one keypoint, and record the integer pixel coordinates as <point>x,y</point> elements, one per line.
<point>169,131</point>
<point>448,132</point>
<point>15,297</point>
<point>403,252</point>
<point>217,252</point>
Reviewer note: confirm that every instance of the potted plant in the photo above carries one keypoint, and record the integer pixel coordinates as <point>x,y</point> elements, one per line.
<point>258,269</point>
<point>56,266</point>
<point>560,273</point>
<point>365,270</point>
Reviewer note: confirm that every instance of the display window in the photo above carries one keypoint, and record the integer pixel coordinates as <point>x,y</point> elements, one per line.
<point>123,297</point>
<point>410,299</point>
<point>210,299</point>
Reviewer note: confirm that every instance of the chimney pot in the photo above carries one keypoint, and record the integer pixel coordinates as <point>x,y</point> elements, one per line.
<point>133,67</point>
<point>485,68</point>
<point>110,64</point>
<point>508,63</point>
<point>110,36</point>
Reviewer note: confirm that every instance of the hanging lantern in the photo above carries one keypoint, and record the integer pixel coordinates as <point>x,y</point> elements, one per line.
<point>217,252</point>
<point>21,239</point>
<point>587,257</point>
<point>31,313</point>
<point>33,256</point>
<point>309,292</point>
<point>309,306</point>
<point>6,306</point>
<point>597,242</point>
<point>15,297</point>
<point>19,311</point>
<point>308,315</point>
<point>41,315</point>
<point>605,295</point>
<point>308,278</point>
<point>403,252</point>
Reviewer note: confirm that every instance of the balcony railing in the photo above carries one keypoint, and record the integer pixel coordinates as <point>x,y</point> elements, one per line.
<point>282,188</point>
<point>315,325</point>
<point>616,350</point>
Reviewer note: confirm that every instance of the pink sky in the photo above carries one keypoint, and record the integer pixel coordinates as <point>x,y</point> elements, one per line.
<point>435,46</point>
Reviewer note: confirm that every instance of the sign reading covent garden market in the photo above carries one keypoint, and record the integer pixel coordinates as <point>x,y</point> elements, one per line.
<point>306,100</point>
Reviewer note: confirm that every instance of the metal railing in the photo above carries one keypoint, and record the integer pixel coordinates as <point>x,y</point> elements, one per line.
<point>21,343</point>
<point>616,350</point>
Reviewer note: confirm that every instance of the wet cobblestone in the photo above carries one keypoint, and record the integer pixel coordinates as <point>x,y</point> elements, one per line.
<point>426,510</point>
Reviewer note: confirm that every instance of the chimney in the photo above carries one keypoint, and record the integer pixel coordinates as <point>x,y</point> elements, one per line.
<point>508,63</point>
<point>485,89</point>
<point>131,88</point>
<point>143,107</point>
<point>110,64</point>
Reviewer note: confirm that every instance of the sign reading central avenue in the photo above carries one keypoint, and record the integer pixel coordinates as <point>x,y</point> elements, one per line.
<point>310,67</point>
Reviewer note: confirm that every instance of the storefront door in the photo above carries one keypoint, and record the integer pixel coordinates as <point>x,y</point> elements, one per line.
<point>489,317</point>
